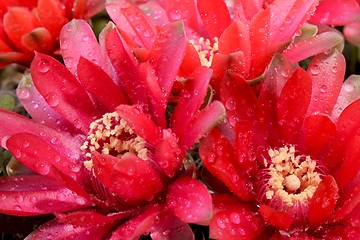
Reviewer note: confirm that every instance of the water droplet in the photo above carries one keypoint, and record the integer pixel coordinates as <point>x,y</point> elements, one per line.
<point>220,223</point>
<point>22,93</point>
<point>230,104</point>
<point>64,43</point>
<point>80,201</point>
<point>69,62</point>
<point>175,14</point>
<point>61,197</point>
<point>42,168</point>
<point>323,88</point>
<point>314,69</point>
<point>52,100</point>
<point>17,208</point>
<point>77,123</point>
<point>235,218</point>
<point>349,87</point>
<point>85,38</point>
<point>19,199</point>
<point>17,153</point>
<point>33,199</point>
<point>43,66</point>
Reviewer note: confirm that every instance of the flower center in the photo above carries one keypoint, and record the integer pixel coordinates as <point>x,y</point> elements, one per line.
<point>205,49</point>
<point>112,135</point>
<point>288,179</point>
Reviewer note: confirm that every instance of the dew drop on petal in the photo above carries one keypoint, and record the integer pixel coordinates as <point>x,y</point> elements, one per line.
<point>64,43</point>
<point>33,199</point>
<point>17,208</point>
<point>43,66</point>
<point>61,197</point>
<point>235,218</point>
<point>175,14</point>
<point>220,223</point>
<point>348,87</point>
<point>52,100</point>
<point>19,199</point>
<point>230,104</point>
<point>85,38</point>
<point>42,168</point>
<point>22,93</point>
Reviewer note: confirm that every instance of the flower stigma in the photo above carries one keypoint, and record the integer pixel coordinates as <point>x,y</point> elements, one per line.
<point>111,135</point>
<point>205,49</point>
<point>288,180</point>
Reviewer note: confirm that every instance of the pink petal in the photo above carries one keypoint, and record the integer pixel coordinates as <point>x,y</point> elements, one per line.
<point>350,92</point>
<point>156,12</point>
<point>323,201</point>
<point>55,229</point>
<point>133,180</point>
<point>62,91</point>
<point>140,122</point>
<point>352,33</point>
<point>39,155</point>
<point>189,200</point>
<point>326,72</point>
<point>13,123</point>
<point>347,124</point>
<point>313,45</point>
<point>218,156</point>
<point>105,91</point>
<point>244,10</point>
<point>278,219</point>
<point>293,104</point>
<point>215,16</point>
<point>77,39</point>
<point>288,17</point>
<point>126,68</point>
<point>238,99</point>
<point>32,101</point>
<point>336,12</point>
<point>35,195</point>
<point>202,123</point>
<point>167,53</point>
<point>190,100</point>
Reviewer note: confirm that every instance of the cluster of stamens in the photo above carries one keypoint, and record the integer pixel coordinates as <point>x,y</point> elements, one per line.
<point>290,179</point>
<point>206,49</point>
<point>112,135</point>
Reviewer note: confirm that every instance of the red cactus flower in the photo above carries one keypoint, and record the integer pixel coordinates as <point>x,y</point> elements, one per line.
<point>289,156</point>
<point>242,36</point>
<point>340,13</point>
<point>34,25</point>
<point>100,144</point>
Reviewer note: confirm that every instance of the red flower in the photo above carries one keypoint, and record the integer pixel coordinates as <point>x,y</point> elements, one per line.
<point>289,157</point>
<point>241,37</point>
<point>34,25</point>
<point>340,13</point>
<point>125,175</point>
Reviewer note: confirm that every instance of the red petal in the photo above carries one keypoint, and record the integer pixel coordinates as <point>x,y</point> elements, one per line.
<point>79,8</point>
<point>215,16</point>
<point>55,229</point>
<point>323,201</point>
<point>126,68</point>
<point>313,45</point>
<point>77,39</point>
<point>52,16</point>
<point>17,22</point>
<point>35,195</point>
<point>137,226</point>
<point>105,91</point>
<point>336,12</point>
<point>62,91</point>
<point>234,224</point>
<point>350,165</point>
<point>353,218</point>
<point>217,154</point>
<point>317,130</point>
<point>341,232</point>
<point>130,178</point>
<point>167,53</point>
<point>278,219</point>
<point>352,34</point>
<point>235,38</point>
<point>190,62</point>
<point>39,40</point>
<point>348,203</point>
<point>184,10</point>
<point>140,122</point>
<point>238,99</point>
<point>326,72</point>
<point>279,71</point>
<point>140,24</point>
<point>350,92</point>
<point>293,104</point>
<point>347,123</point>
<point>202,123</point>
<point>189,200</point>
<point>245,10</point>
<point>190,100</point>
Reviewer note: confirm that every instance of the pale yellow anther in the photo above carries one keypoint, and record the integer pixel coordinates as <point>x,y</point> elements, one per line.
<point>205,50</point>
<point>292,179</point>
